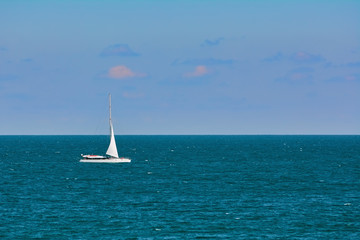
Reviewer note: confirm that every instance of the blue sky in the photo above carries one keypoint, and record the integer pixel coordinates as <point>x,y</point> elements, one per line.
<point>180,67</point>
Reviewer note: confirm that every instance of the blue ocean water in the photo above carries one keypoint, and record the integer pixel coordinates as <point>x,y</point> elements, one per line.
<point>181,187</point>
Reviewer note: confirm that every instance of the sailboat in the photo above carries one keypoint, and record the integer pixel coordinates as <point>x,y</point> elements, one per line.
<point>112,155</point>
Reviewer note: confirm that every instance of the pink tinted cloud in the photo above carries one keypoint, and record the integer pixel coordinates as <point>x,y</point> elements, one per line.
<point>306,57</point>
<point>298,76</point>
<point>351,77</point>
<point>121,71</point>
<point>199,71</point>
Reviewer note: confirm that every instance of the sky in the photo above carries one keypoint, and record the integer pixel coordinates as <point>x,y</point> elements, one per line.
<point>180,67</point>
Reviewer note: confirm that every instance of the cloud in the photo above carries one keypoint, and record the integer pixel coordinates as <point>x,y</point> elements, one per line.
<point>274,58</point>
<point>211,43</point>
<point>121,71</point>
<point>353,64</point>
<point>298,75</point>
<point>352,77</point>
<point>346,65</point>
<point>303,57</point>
<point>199,71</point>
<point>297,57</point>
<point>205,61</point>
<point>122,50</point>
<point>27,60</point>
<point>8,77</point>
<point>345,78</point>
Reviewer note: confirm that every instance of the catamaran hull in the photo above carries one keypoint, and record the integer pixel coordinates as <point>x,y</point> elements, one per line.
<point>107,160</point>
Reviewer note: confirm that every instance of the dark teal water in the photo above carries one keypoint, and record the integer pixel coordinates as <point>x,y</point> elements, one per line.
<point>181,187</point>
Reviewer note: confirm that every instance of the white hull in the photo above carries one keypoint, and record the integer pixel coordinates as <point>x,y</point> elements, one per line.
<point>107,160</point>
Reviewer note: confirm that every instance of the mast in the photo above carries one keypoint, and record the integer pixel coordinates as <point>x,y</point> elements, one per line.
<point>110,111</point>
<point>112,150</point>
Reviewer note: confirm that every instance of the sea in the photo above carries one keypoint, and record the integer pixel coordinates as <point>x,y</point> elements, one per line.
<point>181,187</point>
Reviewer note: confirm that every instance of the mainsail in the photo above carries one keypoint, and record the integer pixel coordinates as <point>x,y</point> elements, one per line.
<point>112,150</point>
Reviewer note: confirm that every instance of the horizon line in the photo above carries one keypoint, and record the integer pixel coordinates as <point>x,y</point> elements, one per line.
<point>216,134</point>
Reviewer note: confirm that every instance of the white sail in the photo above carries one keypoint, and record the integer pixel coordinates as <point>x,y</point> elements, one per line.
<point>112,150</point>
